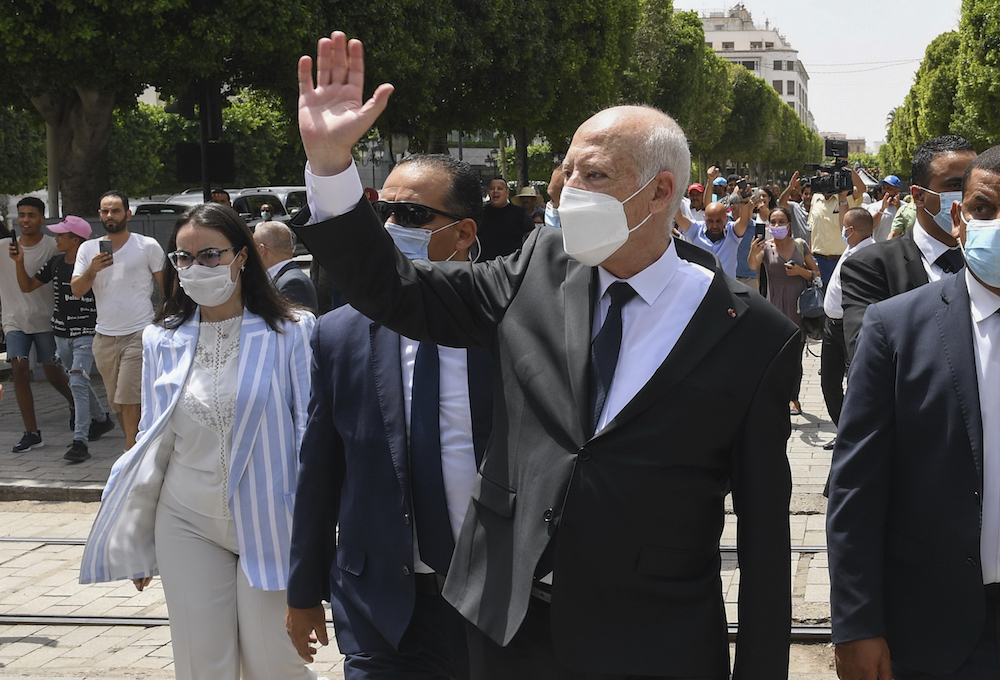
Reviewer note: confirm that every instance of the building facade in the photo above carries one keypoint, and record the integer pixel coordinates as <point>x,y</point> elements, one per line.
<point>764,52</point>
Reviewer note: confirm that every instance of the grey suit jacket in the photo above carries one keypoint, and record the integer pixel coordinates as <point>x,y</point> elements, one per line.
<point>297,287</point>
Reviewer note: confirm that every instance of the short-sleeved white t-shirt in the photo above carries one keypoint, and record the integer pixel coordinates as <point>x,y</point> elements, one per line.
<point>124,290</point>
<point>26,312</point>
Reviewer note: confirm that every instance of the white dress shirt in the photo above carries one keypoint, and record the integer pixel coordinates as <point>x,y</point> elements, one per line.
<point>833,301</point>
<point>930,250</point>
<point>984,304</point>
<point>884,225</point>
<point>330,197</point>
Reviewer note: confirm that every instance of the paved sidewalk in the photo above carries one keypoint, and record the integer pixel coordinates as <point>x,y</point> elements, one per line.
<point>40,579</point>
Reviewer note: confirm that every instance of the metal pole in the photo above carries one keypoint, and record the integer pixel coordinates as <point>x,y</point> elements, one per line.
<point>52,157</point>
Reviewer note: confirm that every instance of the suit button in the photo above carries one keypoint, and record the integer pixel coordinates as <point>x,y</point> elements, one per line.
<point>972,561</point>
<point>406,518</point>
<point>584,454</point>
<point>406,570</point>
<point>548,515</point>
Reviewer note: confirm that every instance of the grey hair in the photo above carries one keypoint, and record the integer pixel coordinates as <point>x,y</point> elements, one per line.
<point>274,234</point>
<point>665,148</point>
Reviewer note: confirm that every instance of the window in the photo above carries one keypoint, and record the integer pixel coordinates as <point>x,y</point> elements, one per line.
<point>708,45</point>
<point>791,87</point>
<point>768,45</point>
<point>720,27</point>
<point>790,66</point>
<point>749,65</point>
<point>756,46</point>
<point>778,65</point>
<point>777,84</point>
<point>727,45</point>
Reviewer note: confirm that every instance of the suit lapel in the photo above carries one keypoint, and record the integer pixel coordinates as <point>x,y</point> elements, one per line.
<point>178,347</point>
<point>257,350</point>
<point>480,370</point>
<point>955,325</point>
<point>578,301</point>
<point>389,387</point>
<point>717,314</point>
<point>914,261</point>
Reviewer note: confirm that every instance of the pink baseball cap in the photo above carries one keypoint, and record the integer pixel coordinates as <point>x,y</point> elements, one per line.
<point>73,225</point>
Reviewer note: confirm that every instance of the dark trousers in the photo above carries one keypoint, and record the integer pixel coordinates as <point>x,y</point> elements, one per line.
<point>529,656</point>
<point>982,664</point>
<point>833,367</point>
<point>432,648</point>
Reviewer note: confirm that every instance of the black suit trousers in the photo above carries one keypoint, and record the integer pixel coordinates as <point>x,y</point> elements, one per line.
<point>833,367</point>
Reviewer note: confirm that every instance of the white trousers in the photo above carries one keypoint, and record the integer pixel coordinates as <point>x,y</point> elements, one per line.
<point>219,624</point>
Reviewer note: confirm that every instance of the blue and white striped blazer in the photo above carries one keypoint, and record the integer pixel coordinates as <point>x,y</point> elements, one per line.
<point>271,411</point>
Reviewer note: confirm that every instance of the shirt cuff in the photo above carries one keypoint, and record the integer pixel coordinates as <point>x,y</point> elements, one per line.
<point>332,196</point>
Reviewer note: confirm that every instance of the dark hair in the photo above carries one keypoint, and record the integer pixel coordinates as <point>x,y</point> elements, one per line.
<point>868,222</point>
<point>215,191</point>
<point>782,209</point>
<point>463,196</point>
<point>920,169</point>
<point>32,202</point>
<point>259,294</point>
<point>772,202</point>
<point>117,194</point>
<point>988,160</point>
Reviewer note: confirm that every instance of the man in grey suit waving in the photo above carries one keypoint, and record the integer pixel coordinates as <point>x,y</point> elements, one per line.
<point>591,546</point>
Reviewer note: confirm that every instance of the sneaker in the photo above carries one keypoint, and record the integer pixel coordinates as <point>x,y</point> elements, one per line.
<point>77,452</point>
<point>30,440</point>
<point>72,418</point>
<point>99,428</point>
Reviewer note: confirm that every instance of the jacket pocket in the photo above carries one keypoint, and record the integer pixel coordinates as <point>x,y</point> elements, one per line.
<point>496,497</point>
<point>350,559</point>
<point>656,560</point>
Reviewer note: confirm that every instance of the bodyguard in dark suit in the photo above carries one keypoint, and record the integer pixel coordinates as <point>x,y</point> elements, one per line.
<point>626,406</point>
<point>395,433</point>
<point>913,525</point>
<point>927,252</point>
<point>275,244</point>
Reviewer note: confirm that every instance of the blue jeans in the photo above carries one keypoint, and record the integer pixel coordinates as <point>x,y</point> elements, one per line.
<point>19,345</point>
<point>77,358</point>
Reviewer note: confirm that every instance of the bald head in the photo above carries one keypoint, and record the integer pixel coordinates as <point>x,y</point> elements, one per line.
<point>275,242</point>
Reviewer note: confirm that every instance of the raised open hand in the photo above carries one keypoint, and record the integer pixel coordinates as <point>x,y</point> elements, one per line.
<point>332,117</point>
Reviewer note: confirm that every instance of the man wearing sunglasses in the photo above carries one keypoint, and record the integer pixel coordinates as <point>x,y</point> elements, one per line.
<point>591,545</point>
<point>122,281</point>
<point>395,433</point>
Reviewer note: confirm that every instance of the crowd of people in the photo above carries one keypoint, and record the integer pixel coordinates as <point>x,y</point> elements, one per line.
<point>508,455</point>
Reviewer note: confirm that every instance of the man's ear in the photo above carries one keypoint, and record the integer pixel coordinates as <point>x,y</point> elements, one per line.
<point>666,187</point>
<point>467,230</point>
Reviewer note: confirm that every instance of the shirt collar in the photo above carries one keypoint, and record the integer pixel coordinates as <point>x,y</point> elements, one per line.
<point>930,248</point>
<point>651,281</point>
<point>273,270</point>
<point>863,243</point>
<point>984,302</point>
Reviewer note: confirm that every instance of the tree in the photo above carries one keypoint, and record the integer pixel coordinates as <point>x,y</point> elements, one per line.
<point>978,92</point>
<point>75,61</point>
<point>22,146</point>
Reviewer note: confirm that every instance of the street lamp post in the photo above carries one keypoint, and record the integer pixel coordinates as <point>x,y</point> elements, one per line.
<point>372,153</point>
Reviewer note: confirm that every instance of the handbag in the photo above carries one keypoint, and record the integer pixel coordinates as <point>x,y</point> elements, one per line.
<point>811,300</point>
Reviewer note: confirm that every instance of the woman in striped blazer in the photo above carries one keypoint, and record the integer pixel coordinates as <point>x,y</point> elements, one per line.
<point>204,498</point>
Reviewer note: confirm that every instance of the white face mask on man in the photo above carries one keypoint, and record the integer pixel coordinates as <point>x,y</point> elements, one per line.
<point>594,224</point>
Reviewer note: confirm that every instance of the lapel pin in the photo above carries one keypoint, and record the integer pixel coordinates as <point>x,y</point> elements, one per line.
<point>732,312</point>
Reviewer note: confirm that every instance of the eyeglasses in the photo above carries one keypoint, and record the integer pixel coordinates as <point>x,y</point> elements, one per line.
<point>409,214</point>
<point>209,257</point>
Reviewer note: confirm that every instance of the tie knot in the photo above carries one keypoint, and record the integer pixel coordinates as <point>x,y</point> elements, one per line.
<point>620,293</point>
<point>950,261</point>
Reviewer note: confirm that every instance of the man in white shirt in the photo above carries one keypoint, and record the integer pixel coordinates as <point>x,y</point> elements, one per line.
<point>884,210</point>
<point>27,319</point>
<point>606,466</point>
<point>122,281</point>
<point>913,523</point>
<point>856,228</point>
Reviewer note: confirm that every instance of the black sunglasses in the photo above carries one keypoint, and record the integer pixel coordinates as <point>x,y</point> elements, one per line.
<point>409,214</point>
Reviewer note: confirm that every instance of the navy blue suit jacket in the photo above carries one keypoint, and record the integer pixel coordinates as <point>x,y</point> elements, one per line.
<point>906,485</point>
<point>355,473</point>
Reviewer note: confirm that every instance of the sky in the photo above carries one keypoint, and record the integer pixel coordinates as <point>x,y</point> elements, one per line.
<point>852,52</point>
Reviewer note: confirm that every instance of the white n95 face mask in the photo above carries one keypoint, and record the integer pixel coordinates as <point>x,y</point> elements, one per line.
<point>594,224</point>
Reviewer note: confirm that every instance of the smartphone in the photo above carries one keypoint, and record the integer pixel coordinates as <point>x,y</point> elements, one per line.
<point>13,238</point>
<point>107,247</point>
<point>742,184</point>
<point>758,230</point>
<point>756,192</point>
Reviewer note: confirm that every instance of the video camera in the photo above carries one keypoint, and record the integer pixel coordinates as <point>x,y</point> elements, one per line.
<point>839,174</point>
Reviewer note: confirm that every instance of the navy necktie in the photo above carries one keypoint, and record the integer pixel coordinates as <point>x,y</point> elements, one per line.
<point>426,481</point>
<point>950,261</point>
<point>605,348</point>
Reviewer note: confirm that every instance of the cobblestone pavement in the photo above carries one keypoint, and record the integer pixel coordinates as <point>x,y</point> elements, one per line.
<point>39,579</point>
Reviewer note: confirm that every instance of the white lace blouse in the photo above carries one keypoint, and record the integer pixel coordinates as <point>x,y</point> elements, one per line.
<point>202,424</point>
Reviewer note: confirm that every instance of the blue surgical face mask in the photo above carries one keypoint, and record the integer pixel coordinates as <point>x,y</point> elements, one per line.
<point>982,249</point>
<point>943,216</point>
<point>413,241</point>
<point>552,217</point>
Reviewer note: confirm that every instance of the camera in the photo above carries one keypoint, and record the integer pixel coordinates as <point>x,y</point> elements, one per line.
<point>837,177</point>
